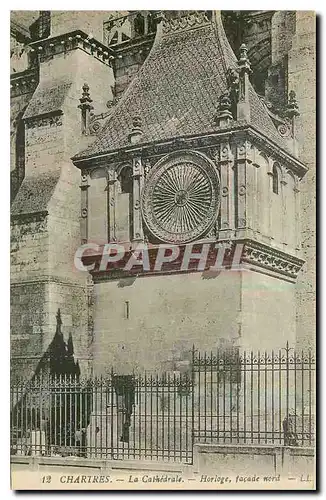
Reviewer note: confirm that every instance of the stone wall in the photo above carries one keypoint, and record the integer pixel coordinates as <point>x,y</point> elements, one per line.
<point>267,312</point>
<point>302,79</point>
<point>91,22</point>
<point>270,464</point>
<point>148,323</point>
<point>43,248</point>
<point>46,211</point>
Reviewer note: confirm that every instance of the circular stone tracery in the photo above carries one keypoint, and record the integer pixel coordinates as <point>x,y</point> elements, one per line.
<point>181,197</point>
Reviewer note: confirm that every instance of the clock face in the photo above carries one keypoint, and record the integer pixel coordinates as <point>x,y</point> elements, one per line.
<point>180,200</point>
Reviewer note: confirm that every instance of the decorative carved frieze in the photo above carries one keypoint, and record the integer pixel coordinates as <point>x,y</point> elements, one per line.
<point>244,150</point>
<point>23,83</point>
<point>172,23</point>
<point>271,259</point>
<point>244,254</point>
<point>147,167</point>
<point>17,219</point>
<point>51,120</point>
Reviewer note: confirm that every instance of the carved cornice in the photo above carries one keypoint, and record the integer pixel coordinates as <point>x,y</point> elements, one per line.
<point>271,259</point>
<point>237,131</point>
<point>23,83</point>
<point>269,147</point>
<point>255,256</point>
<point>47,280</point>
<point>49,47</point>
<point>132,47</point>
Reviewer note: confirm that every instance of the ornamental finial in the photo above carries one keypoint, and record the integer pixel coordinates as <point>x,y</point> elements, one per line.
<point>244,68</point>
<point>292,108</point>
<point>136,131</point>
<point>59,322</point>
<point>243,61</point>
<point>85,106</point>
<point>224,115</point>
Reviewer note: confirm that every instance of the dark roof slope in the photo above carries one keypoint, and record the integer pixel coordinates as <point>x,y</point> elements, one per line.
<point>177,90</point>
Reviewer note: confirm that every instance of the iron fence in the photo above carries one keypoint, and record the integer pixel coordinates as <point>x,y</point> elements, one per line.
<point>229,397</point>
<point>255,398</point>
<point>117,417</point>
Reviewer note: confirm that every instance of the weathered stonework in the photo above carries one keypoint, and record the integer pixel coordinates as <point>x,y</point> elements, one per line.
<point>57,207</point>
<point>46,210</point>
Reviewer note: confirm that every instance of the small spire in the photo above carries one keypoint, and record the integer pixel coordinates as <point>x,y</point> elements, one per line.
<point>136,131</point>
<point>59,322</point>
<point>70,346</point>
<point>85,98</point>
<point>243,52</point>
<point>224,115</point>
<point>244,68</point>
<point>243,61</point>
<point>85,106</point>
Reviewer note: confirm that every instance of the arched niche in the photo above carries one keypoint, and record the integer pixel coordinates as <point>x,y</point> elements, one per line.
<point>98,173</point>
<point>276,175</point>
<point>262,194</point>
<point>291,213</point>
<point>277,203</point>
<point>124,203</point>
<point>98,206</point>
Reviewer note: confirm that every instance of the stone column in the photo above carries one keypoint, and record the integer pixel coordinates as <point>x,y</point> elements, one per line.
<point>286,216</point>
<point>241,178</point>
<point>84,207</point>
<point>138,182</point>
<point>112,179</point>
<point>297,211</point>
<point>226,161</point>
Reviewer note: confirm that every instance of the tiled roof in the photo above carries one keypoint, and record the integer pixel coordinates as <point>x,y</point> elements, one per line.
<point>35,193</point>
<point>48,97</point>
<point>176,91</point>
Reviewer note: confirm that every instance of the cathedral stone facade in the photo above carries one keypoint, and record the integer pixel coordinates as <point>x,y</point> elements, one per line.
<point>150,127</point>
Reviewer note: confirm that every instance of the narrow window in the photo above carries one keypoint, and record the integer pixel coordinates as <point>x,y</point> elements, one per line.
<point>275,179</point>
<point>139,24</point>
<point>20,150</point>
<point>127,309</point>
<point>126,180</point>
<point>124,206</point>
<point>18,174</point>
